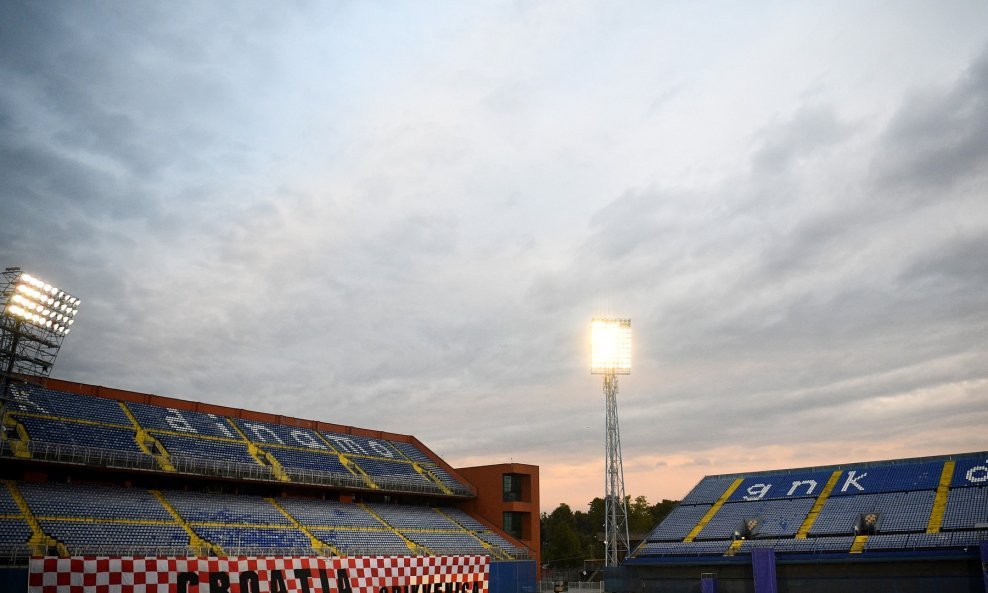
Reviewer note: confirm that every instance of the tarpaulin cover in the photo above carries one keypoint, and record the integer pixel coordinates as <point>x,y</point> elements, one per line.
<point>763,567</point>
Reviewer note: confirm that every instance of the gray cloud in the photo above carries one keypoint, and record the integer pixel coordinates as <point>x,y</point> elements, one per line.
<point>404,218</point>
<point>938,139</point>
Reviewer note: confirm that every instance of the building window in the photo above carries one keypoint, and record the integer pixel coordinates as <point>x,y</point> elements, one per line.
<point>512,523</point>
<point>512,487</point>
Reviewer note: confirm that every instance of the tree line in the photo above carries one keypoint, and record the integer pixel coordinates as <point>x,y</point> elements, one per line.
<point>569,537</point>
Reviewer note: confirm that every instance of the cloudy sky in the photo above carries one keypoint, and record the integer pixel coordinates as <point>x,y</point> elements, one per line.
<point>403,215</point>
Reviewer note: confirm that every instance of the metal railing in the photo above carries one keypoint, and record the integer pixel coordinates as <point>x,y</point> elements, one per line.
<point>587,587</point>
<point>119,459</point>
<point>14,554</point>
<point>19,554</point>
<point>76,454</point>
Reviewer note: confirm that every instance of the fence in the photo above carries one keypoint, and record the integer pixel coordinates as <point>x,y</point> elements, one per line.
<point>572,586</point>
<point>116,459</point>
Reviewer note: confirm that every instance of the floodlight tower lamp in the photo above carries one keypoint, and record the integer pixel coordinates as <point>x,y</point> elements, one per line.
<point>610,355</point>
<point>34,319</point>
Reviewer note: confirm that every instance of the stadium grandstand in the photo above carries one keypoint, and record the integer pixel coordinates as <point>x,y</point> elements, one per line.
<point>900,525</point>
<point>91,472</point>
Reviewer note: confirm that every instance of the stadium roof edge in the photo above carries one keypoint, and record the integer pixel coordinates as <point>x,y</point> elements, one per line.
<point>220,410</point>
<point>858,464</point>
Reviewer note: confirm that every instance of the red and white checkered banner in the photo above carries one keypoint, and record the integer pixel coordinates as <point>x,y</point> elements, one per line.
<point>354,574</point>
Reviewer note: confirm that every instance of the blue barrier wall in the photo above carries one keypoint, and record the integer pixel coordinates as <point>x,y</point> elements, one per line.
<point>13,579</point>
<point>513,577</point>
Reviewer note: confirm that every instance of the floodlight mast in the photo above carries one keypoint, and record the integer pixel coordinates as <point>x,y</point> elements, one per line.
<point>611,356</point>
<point>34,319</point>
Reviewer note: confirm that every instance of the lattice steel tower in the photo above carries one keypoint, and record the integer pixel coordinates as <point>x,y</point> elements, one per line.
<point>34,319</point>
<point>610,355</point>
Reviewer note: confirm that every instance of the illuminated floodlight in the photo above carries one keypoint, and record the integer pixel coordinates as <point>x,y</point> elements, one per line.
<point>610,346</point>
<point>34,319</point>
<point>33,301</point>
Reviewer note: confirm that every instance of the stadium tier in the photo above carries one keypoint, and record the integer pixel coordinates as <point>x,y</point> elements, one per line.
<point>87,474</point>
<point>83,520</point>
<point>932,504</point>
<point>49,425</point>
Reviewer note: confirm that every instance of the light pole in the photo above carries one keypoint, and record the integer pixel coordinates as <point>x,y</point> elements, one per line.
<point>610,356</point>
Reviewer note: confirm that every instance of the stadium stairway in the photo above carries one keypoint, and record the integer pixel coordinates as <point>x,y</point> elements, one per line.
<point>859,544</point>
<point>148,443</point>
<point>734,547</point>
<point>940,501</point>
<point>82,421</point>
<point>414,547</point>
<point>497,552</point>
<point>194,540</point>
<point>424,472</point>
<point>39,542</point>
<point>428,475</point>
<point>358,471</point>
<point>352,467</point>
<point>713,510</point>
<point>261,456</point>
<point>20,444</point>
<point>811,516</point>
<point>321,548</point>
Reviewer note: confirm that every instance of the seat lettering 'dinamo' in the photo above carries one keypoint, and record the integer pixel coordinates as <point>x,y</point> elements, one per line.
<point>179,423</point>
<point>198,423</point>
<point>970,471</point>
<point>359,445</point>
<point>23,402</point>
<point>276,434</point>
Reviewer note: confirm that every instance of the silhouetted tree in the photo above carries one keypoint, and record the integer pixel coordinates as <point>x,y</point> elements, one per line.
<point>569,537</point>
<point>561,546</point>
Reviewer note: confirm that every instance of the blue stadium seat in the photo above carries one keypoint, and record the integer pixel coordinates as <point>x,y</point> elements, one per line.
<point>776,518</point>
<point>447,543</point>
<point>14,533</point>
<point>55,500</point>
<point>796,484</point>
<point>34,399</point>
<point>206,449</point>
<point>970,470</point>
<point>158,418</point>
<point>463,518</point>
<point>708,490</point>
<point>967,508</point>
<point>325,513</point>
<point>266,433</point>
<point>350,444</point>
<point>678,523</point>
<point>900,512</point>
<point>448,480</point>
<point>104,537</point>
<point>7,505</point>
<point>399,470</point>
<point>239,540</point>
<point>199,507</point>
<point>889,477</point>
<point>355,542</point>
<point>496,540</point>
<point>80,435</point>
<point>411,452</point>
<point>291,458</point>
<point>412,517</point>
